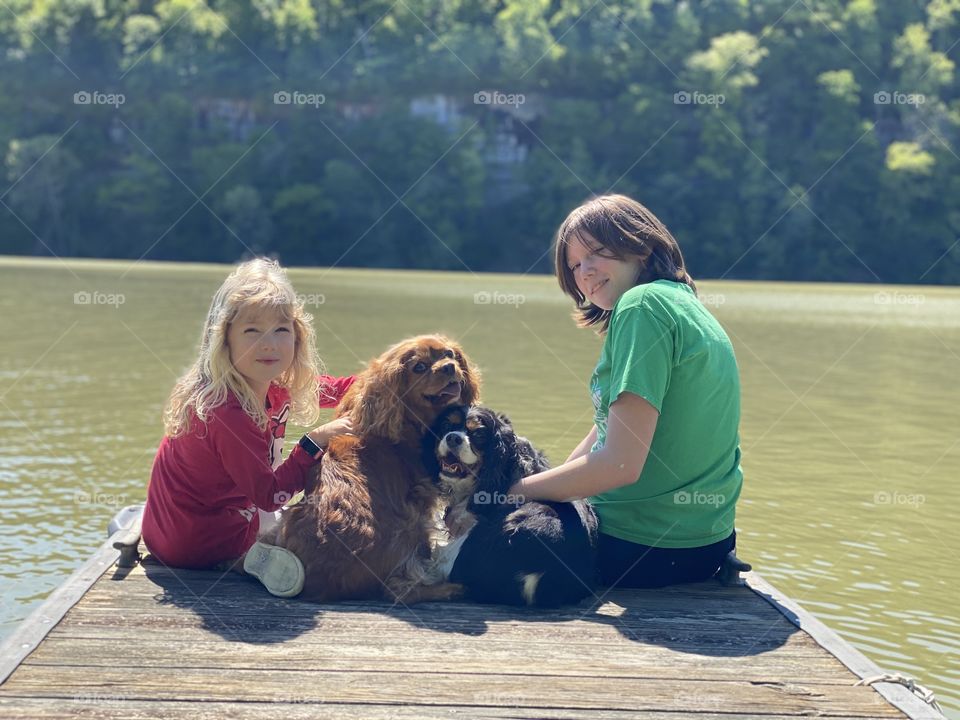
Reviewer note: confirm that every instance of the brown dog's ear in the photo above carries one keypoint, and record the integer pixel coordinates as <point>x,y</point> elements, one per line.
<point>375,401</point>
<point>471,378</point>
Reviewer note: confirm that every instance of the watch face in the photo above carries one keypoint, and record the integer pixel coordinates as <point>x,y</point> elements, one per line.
<point>309,445</point>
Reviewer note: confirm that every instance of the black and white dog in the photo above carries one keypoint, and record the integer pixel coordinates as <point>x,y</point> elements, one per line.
<point>502,549</point>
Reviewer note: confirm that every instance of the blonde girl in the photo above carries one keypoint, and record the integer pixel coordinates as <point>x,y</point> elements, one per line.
<point>219,464</point>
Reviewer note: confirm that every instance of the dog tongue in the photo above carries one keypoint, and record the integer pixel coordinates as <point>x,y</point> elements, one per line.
<point>451,389</point>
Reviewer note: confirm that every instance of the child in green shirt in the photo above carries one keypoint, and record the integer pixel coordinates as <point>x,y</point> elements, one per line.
<point>662,462</point>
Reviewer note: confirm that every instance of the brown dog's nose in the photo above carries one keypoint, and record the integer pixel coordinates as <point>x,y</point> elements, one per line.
<point>448,368</point>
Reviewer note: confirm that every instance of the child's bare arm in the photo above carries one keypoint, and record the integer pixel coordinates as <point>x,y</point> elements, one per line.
<point>584,447</point>
<point>630,429</point>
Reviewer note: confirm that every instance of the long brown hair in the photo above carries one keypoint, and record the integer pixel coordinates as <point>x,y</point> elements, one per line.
<point>623,228</point>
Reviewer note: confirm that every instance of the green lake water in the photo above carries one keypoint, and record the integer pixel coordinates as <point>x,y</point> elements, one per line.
<point>850,432</point>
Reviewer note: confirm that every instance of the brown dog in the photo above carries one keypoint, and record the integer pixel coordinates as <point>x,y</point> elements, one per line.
<point>363,528</point>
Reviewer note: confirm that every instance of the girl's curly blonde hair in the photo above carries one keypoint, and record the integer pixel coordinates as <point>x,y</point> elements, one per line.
<point>253,285</point>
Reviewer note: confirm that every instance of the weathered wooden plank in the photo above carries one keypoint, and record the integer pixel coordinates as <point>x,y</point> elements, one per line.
<point>454,616</point>
<point>642,611</point>
<point>741,618</point>
<point>689,635</point>
<point>800,647</point>
<point>426,654</point>
<point>111,708</point>
<point>449,688</point>
<point>245,597</point>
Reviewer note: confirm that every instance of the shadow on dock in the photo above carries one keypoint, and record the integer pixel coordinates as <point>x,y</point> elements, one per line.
<point>705,619</point>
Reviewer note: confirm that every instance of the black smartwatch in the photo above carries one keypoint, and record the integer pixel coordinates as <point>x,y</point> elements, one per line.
<point>311,447</point>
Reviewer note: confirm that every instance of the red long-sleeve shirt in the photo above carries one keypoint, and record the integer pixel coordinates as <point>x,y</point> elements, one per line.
<point>206,485</point>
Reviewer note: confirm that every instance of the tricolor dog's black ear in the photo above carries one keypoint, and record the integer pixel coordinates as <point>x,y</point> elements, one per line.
<point>504,419</point>
<point>501,466</point>
<point>530,458</point>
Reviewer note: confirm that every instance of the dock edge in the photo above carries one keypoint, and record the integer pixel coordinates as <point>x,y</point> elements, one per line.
<point>829,640</point>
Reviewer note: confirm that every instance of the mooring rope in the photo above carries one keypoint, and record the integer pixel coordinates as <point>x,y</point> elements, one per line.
<point>924,693</point>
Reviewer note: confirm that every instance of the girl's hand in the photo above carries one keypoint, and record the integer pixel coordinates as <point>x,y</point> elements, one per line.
<point>323,434</point>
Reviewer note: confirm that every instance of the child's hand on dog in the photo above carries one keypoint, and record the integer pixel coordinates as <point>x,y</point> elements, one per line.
<point>325,433</point>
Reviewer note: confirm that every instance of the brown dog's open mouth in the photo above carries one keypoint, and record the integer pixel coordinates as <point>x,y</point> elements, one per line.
<point>448,395</point>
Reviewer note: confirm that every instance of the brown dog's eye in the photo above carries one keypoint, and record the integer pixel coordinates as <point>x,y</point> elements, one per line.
<point>419,368</point>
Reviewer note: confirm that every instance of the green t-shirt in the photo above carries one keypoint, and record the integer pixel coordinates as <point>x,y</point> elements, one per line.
<point>663,345</point>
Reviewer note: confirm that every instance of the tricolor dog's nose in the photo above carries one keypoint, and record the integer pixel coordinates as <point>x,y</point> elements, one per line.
<point>453,439</point>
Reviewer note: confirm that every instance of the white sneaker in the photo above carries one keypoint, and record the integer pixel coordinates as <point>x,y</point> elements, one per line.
<point>280,571</point>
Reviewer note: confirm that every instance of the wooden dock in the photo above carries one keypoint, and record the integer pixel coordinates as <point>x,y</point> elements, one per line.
<point>149,642</point>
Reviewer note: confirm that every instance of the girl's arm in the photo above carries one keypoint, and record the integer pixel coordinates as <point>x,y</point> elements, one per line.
<point>243,453</point>
<point>332,389</point>
<point>630,427</point>
<point>584,447</point>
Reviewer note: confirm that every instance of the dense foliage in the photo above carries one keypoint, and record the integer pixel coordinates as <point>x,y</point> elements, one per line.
<point>788,139</point>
